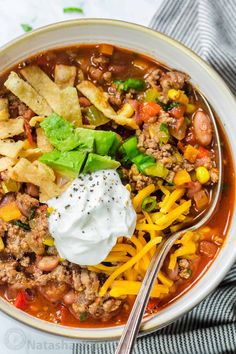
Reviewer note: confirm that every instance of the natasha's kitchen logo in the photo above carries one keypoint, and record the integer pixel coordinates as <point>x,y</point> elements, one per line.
<point>15,339</point>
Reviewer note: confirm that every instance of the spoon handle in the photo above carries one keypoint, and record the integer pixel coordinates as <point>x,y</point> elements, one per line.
<point>131,329</point>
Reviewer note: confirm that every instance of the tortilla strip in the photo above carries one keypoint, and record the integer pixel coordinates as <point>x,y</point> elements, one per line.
<point>27,94</point>
<point>63,102</point>
<point>69,106</point>
<point>37,173</point>
<point>11,127</point>
<point>100,100</point>
<point>4,113</point>
<point>6,162</point>
<point>42,141</point>
<point>64,75</point>
<point>11,148</point>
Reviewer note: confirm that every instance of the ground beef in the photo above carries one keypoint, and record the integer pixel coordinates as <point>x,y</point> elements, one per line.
<point>18,108</point>
<point>137,180</point>
<point>38,233</point>
<point>184,268</point>
<point>9,274</point>
<point>26,203</point>
<point>87,287</point>
<point>16,241</point>
<point>115,97</point>
<point>173,79</point>
<point>164,153</point>
<point>153,77</point>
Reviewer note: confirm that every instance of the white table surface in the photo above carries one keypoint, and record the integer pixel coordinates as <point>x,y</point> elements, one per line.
<point>14,336</point>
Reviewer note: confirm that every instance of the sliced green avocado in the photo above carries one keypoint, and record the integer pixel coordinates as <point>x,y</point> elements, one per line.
<point>68,163</point>
<point>96,162</point>
<point>60,132</point>
<point>105,142</point>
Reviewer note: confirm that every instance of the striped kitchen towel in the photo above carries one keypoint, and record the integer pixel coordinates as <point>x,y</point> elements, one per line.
<point>209,28</point>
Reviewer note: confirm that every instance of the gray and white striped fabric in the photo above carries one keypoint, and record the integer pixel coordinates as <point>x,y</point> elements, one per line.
<point>209,28</point>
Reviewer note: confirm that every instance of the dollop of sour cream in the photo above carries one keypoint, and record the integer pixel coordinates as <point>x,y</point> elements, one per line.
<point>89,217</point>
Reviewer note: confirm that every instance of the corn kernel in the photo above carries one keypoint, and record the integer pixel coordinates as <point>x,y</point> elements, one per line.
<point>190,108</point>
<point>202,174</point>
<point>48,242</point>
<point>174,94</point>
<point>50,210</point>
<point>183,98</point>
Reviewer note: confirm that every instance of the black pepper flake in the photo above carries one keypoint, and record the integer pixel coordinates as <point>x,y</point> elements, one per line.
<point>90,178</point>
<point>82,231</point>
<point>87,200</point>
<point>75,189</point>
<point>71,195</point>
<point>91,190</point>
<point>67,206</point>
<point>88,213</point>
<point>113,198</point>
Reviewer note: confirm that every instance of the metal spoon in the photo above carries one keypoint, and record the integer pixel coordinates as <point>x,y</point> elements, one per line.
<point>131,329</point>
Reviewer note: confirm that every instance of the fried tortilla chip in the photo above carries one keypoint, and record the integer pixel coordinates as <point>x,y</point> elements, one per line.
<point>63,102</point>
<point>37,173</point>
<point>11,127</point>
<point>100,100</point>
<point>42,141</point>
<point>27,94</point>
<point>6,162</point>
<point>64,75</point>
<point>11,148</point>
<point>4,113</point>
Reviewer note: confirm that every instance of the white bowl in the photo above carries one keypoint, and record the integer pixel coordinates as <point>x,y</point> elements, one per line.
<point>175,55</point>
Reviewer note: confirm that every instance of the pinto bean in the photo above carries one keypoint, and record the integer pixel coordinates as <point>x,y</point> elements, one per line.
<point>69,297</point>
<point>117,68</point>
<point>54,291</point>
<point>208,248</point>
<point>32,190</point>
<point>84,102</point>
<point>202,128</point>
<point>48,263</point>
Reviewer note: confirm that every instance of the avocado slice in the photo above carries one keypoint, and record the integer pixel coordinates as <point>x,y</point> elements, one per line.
<point>96,162</point>
<point>60,132</point>
<point>68,163</point>
<point>104,141</point>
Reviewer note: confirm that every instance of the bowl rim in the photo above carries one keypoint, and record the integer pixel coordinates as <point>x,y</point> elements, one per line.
<point>112,333</point>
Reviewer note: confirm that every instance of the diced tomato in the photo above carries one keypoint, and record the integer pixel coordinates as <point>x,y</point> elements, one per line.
<point>178,112</point>
<point>21,300</point>
<point>202,152</point>
<point>152,305</point>
<point>148,110</point>
<point>63,314</point>
<point>28,133</point>
<point>181,146</point>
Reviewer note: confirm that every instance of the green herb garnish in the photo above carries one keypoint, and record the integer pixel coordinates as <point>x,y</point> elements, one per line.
<point>21,224</point>
<point>164,128</point>
<point>167,106</point>
<point>189,271</point>
<point>73,9</point>
<point>149,204</point>
<point>26,27</point>
<point>32,214</point>
<point>136,84</point>
<point>83,316</point>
